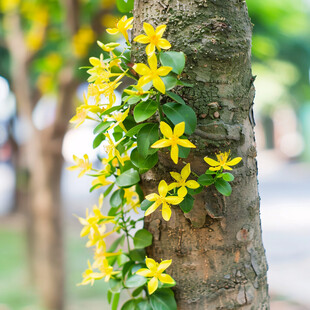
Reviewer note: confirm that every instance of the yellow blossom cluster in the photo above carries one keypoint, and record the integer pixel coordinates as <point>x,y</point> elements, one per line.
<point>95,227</point>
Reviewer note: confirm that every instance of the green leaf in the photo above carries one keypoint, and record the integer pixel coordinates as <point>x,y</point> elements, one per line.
<point>97,141</point>
<point>176,60</point>
<point>184,84</point>
<point>124,6</point>
<point>128,178</point>
<point>223,187</point>
<point>109,296</point>
<point>184,151</point>
<point>115,285</point>
<point>135,281</point>
<point>144,110</point>
<point>116,243</point>
<point>142,239</point>
<point>137,291</point>
<point>175,97</point>
<point>144,305</point>
<point>163,299</point>
<point>134,130</point>
<point>129,305</point>
<point>115,301</point>
<point>205,179</point>
<point>178,113</point>
<point>113,211</point>
<point>117,198</point>
<point>145,204</point>
<point>102,127</point>
<point>137,255</point>
<point>228,177</point>
<point>210,172</point>
<point>146,137</point>
<point>127,266</point>
<point>122,259</point>
<point>108,190</point>
<point>109,111</point>
<point>94,187</point>
<point>187,204</point>
<point>141,162</point>
<point>170,81</point>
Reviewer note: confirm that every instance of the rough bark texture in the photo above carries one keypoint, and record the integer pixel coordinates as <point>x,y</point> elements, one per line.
<point>217,252</point>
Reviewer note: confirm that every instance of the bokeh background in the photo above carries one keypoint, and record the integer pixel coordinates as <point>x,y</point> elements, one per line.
<point>42,45</point>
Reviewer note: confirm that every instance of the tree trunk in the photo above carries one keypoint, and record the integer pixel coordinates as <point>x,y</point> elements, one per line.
<point>43,158</point>
<point>218,259</point>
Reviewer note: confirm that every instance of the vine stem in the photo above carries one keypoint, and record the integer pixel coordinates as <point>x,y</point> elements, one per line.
<point>160,109</point>
<point>125,227</point>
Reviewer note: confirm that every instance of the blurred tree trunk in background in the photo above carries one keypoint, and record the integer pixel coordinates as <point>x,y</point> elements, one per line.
<point>44,161</point>
<point>218,257</point>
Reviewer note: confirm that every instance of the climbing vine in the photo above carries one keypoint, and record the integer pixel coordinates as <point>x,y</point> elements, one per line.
<point>132,132</point>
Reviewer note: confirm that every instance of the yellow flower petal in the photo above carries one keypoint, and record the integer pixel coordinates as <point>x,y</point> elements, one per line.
<point>186,171</point>
<point>211,161</point>
<point>159,84</point>
<point>151,197</point>
<point>172,186</point>
<point>174,153</point>
<point>182,191</point>
<point>144,80</point>
<point>176,176</point>
<point>166,212</point>
<point>151,209</point>
<point>152,60</point>
<point>112,31</point>
<point>164,265</point>
<point>192,184</point>
<point>163,71</point>
<point>216,168</point>
<point>161,143</point>
<point>179,129</point>
<point>186,143</point>
<point>150,263</point>
<point>152,285</point>
<point>234,161</point>
<point>225,167</point>
<point>160,30</point>
<point>142,39</point>
<point>141,69</point>
<point>174,200</point>
<point>144,272</point>
<point>164,44</point>
<point>162,188</point>
<point>165,278</point>
<point>150,49</point>
<point>148,29</point>
<point>165,129</point>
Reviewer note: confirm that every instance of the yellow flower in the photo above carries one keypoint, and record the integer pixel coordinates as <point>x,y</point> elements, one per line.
<point>89,276</point>
<point>224,162</point>
<point>181,181</point>
<point>119,117</point>
<point>112,150</point>
<point>138,92</point>
<point>108,47</point>
<point>132,199</point>
<point>107,270</point>
<point>101,180</point>
<point>155,271</point>
<point>173,139</point>
<point>82,113</point>
<point>82,164</point>
<point>154,38</point>
<point>152,73</point>
<point>162,199</point>
<point>100,71</point>
<point>96,237</point>
<point>122,26</point>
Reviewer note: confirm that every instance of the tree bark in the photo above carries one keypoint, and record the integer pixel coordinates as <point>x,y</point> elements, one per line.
<point>218,259</point>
